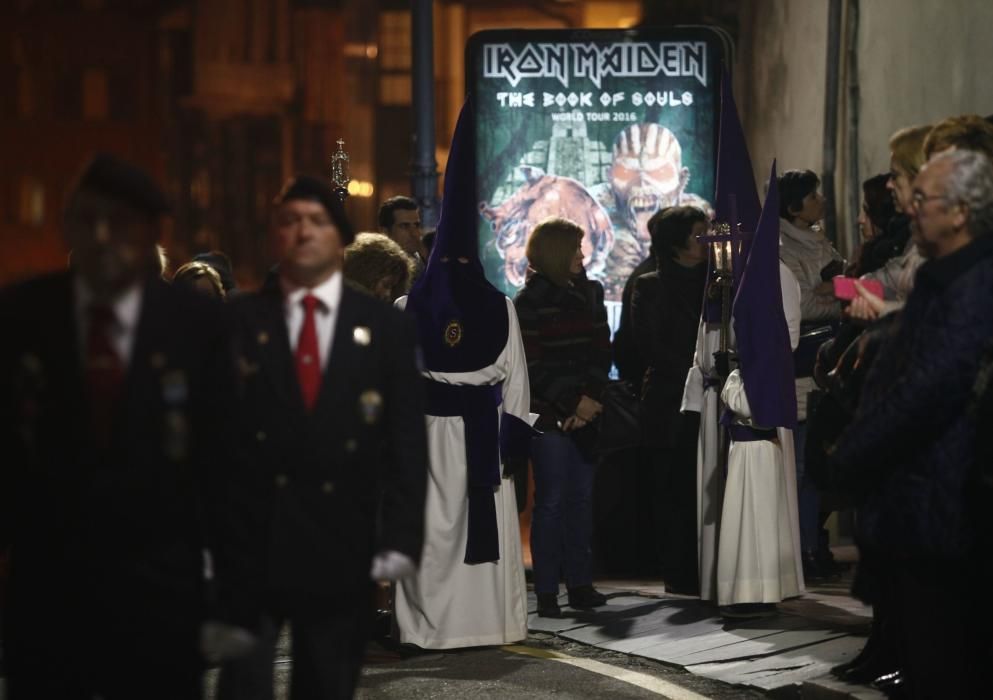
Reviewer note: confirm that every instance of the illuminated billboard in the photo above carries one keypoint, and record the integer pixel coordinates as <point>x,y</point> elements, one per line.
<point>603,127</point>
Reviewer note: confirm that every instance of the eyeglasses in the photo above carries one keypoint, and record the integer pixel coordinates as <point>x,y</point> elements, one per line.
<point>918,198</point>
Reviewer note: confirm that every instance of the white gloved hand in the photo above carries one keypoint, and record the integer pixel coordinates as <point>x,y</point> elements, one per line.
<point>391,565</point>
<point>220,641</point>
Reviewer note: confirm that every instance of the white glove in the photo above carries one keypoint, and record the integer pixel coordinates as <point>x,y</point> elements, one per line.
<point>223,642</point>
<point>391,565</point>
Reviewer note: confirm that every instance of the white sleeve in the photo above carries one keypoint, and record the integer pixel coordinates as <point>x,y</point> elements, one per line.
<point>791,302</point>
<point>516,385</point>
<point>693,388</point>
<point>733,395</point>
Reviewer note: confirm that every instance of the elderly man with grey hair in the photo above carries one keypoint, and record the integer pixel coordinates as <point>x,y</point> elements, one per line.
<point>909,450</point>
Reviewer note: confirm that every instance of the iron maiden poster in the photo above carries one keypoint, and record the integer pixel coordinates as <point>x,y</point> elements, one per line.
<point>600,127</point>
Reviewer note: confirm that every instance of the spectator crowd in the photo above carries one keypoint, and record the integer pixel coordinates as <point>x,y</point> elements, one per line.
<point>190,465</point>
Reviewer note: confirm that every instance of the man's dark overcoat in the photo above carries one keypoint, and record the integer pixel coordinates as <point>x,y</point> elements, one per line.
<point>106,542</point>
<point>331,487</point>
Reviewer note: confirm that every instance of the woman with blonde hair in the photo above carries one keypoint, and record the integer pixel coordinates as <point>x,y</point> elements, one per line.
<point>906,159</point>
<point>567,344</point>
<point>379,266</point>
<point>200,277</point>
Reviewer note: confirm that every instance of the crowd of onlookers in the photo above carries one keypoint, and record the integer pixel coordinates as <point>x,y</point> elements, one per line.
<point>889,386</point>
<point>892,380</point>
<point>892,375</point>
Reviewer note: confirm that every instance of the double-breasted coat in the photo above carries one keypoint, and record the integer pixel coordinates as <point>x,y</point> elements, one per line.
<point>106,541</point>
<point>331,487</point>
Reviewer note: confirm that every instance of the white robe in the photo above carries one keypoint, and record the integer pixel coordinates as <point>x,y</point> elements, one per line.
<point>756,559</point>
<point>709,480</point>
<point>449,604</point>
<point>710,476</point>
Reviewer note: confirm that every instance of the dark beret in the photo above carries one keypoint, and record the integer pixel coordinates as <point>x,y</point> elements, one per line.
<point>317,190</point>
<point>120,180</point>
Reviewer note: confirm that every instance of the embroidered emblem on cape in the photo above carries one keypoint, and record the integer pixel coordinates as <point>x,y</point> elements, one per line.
<point>453,334</point>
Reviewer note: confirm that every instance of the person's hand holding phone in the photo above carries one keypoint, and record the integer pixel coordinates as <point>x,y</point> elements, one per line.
<point>865,307</point>
<point>844,287</point>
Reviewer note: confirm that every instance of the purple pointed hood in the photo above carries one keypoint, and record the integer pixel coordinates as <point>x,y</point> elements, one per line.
<point>461,318</point>
<point>763,338</point>
<point>735,196</point>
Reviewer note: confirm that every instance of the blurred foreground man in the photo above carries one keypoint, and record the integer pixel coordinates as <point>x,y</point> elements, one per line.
<point>112,408</point>
<point>334,445</point>
<point>909,451</point>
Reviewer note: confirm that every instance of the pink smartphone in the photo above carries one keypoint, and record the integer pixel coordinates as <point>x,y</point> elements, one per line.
<point>844,287</point>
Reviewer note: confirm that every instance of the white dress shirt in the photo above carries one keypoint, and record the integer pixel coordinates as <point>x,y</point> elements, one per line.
<point>127,310</point>
<point>328,294</point>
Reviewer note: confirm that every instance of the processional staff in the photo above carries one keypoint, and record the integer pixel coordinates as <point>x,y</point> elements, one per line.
<point>727,252</point>
<point>339,171</point>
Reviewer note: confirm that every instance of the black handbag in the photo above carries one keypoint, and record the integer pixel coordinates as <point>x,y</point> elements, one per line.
<point>620,421</point>
<point>811,339</point>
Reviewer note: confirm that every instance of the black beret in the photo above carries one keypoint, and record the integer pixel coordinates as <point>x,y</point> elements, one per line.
<point>120,180</point>
<point>317,190</point>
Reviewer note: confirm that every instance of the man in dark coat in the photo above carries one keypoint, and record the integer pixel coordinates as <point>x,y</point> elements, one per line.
<point>333,430</point>
<point>113,396</point>
<point>908,452</point>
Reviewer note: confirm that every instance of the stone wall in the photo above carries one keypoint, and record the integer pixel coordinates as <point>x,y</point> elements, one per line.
<point>919,60</point>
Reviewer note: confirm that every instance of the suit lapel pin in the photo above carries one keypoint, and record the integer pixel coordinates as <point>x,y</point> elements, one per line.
<point>262,338</point>
<point>247,368</point>
<point>370,405</point>
<point>174,387</point>
<point>175,435</point>
<point>361,335</point>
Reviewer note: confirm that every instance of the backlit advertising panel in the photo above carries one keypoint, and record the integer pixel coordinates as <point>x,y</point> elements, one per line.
<point>603,127</point>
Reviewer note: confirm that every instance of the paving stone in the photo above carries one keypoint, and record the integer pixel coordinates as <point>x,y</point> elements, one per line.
<point>784,669</point>
<point>830,688</point>
<point>799,646</point>
<point>765,645</point>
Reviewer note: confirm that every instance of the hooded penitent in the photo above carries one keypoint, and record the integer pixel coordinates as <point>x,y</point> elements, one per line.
<point>763,338</point>
<point>735,196</point>
<point>462,326</point>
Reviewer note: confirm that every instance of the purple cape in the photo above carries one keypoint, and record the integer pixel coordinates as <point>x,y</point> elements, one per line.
<point>762,336</point>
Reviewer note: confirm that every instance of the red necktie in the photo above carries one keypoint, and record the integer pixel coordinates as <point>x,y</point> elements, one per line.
<point>104,372</point>
<point>308,355</point>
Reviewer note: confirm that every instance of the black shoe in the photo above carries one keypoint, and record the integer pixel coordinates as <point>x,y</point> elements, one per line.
<point>840,670</point>
<point>811,567</point>
<point>893,684</point>
<point>869,671</point>
<point>747,611</point>
<point>586,597</point>
<point>548,605</point>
